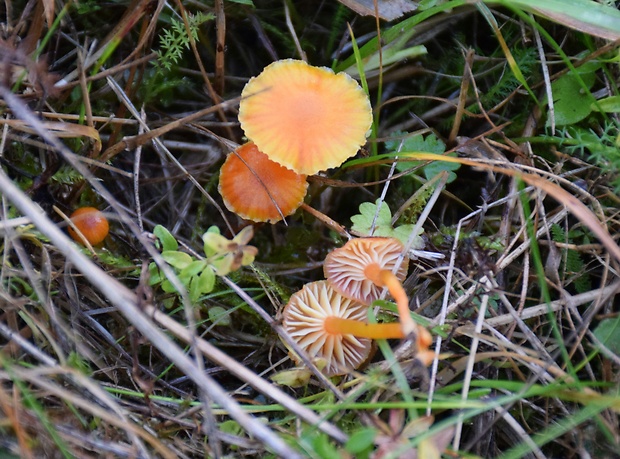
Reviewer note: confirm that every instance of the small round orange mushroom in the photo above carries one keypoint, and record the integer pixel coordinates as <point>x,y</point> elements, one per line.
<point>91,223</point>
<point>258,189</point>
<point>364,266</point>
<point>332,327</point>
<point>306,118</point>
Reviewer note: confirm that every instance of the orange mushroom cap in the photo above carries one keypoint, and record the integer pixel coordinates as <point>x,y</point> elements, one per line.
<point>304,319</point>
<point>303,117</point>
<point>345,267</point>
<point>92,224</point>
<point>258,189</point>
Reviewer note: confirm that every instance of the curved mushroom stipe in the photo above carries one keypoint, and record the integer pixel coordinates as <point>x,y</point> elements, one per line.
<point>385,278</point>
<point>363,266</point>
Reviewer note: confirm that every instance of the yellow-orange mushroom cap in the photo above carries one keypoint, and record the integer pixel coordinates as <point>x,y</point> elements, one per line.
<point>258,189</point>
<point>306,118</point>
<point>304,319</point>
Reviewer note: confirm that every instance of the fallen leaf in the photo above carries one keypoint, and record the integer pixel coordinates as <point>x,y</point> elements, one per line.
<point>387,9</point>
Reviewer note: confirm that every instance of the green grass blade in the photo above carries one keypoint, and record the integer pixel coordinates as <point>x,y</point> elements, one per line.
<point>584,15</point>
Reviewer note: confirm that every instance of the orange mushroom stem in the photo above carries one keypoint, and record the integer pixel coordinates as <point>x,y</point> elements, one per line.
<point>338,325</point>
<point>363,267</point>
<point>332,327</point>
<point>385,278</point>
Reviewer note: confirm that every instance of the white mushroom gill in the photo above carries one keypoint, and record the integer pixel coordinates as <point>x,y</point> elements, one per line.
<point>304,317</point>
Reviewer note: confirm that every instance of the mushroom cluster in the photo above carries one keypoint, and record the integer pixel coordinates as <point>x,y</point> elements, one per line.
<point>302,118</point>
<point>328,318</point>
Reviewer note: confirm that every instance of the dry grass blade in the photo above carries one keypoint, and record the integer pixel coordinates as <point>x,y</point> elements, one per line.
<point>127,304</point>
<point>579,209</point>
<point>166,338</point>
<point>246,375</point>
<point>61,130</point>
<point>125,300</point>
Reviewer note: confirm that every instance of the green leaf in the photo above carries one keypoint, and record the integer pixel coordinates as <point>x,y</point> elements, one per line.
<point>418,143</point>
<point>214,242</point>
<point>361,441</point>
<point>403,233</point>
<point>296,377</point>
<point>206,280</point>
<point>585,15</point>
<point>362,223</point>
<point>571,103</point>
<point>219,315</point>
<point>167,286</point>
<point>155,275</point>
<point>167,240</point>
<point>324,448</point>
<point>226,255</point>
<point>608,333</point>
<point>189,277</point>
<point>609,104</point>
<point>177,259</point>
<point>192,269</point>
<point>231,427</point>
<point>397,51</point>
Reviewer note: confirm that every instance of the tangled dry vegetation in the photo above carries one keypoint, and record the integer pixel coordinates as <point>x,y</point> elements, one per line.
<point>131,108</point>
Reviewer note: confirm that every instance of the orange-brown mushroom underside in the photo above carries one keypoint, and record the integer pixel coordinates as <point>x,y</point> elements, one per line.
<point>258,189</point>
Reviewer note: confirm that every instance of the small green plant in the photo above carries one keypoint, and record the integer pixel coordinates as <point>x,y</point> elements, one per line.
<point>198,275</point>
<point>368,219</point>
<point>608,333</point>
<point>419,143</point>
<point>162,81</point>
<point>572,103</point>
<point>175,40</point>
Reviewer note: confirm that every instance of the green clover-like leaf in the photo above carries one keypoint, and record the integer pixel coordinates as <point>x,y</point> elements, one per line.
<point>167,240</point>
<point>419,143</point>
<point>362,223</point>
<point>177,259</point>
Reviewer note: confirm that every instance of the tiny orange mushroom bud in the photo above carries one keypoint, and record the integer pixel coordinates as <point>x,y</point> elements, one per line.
<point>91,223</point>
<point>306,118</point>
<point>364,266</point>
<point>332,327</point>
<point>258,189</point>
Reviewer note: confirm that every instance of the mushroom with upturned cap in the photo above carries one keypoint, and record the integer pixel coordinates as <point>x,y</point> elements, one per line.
<point>332,327</point>
<point>362,267</point>
<point>303,117</point>
<point>258,189</point>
